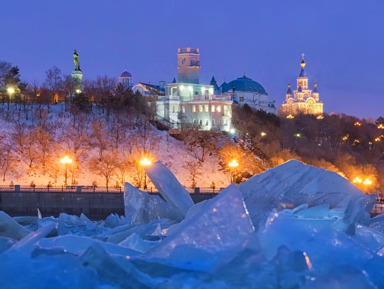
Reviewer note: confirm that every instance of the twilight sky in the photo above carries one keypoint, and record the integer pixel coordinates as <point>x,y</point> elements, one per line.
<point>343,41</point>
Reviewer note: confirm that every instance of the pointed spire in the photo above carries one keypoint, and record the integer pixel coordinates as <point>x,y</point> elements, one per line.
<point>302,64</point>
<point>174,80</point>
<point>315,88</point>
<point>300,89</point>
<point>214,83</point>
<point>289,91</point>
<point>302,61</point>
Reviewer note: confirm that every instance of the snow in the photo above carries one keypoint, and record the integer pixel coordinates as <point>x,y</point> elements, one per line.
<point>295,226</point>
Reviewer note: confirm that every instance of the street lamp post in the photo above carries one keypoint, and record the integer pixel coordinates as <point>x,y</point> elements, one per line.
<point>232,166</point>
<point>10,91</point>
<point>66,160</point>
<point>145,162</point>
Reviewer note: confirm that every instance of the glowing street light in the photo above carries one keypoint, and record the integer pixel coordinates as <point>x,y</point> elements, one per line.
<point>357,123</point>
<point>233,166</point>
<point>380,126</point>
<point>66,160</point>
<point>297,134</point>
<point>290,116</point>
<point>145,162</point>
<point>10,91</point>
<point>78,91</point>
<point>263,134</point>
<point>320,117</point>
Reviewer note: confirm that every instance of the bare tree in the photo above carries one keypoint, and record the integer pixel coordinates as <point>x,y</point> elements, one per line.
<point>104,166</point>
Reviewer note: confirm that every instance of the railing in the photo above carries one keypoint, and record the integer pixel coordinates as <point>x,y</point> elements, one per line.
<point>97,189</point>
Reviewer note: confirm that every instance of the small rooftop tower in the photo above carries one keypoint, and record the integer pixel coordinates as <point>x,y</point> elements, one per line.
<point>125,79</point>
<point>188,65</point>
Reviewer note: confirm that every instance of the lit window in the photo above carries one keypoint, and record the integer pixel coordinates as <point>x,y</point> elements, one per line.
<point>206,122</point>
<point>206,108</point>
<point>213,108</point>
<point>200,108</point>
<point>219,108</point>
<point>183,108</point>
<point>194,108</point>
<point>213,122</point>
<point>201,122</point>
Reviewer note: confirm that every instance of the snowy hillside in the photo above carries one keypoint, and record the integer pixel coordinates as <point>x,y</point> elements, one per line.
<point>34,141</point>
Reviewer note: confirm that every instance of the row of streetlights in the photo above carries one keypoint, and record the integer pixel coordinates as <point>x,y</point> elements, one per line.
<point>66,160</point>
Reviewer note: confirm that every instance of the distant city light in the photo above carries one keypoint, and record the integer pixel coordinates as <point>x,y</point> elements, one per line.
<point>380,126</point>
<point>232,131</point>
<point>263,133</point>
<point>357,123</point>
<point>78,91</point>
<point>290,116</point>
<point>320,117</point>
<point>297,134</point>
<point>358,180</point>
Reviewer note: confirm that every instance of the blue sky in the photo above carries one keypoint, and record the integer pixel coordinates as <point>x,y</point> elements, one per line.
<point>342,40</point>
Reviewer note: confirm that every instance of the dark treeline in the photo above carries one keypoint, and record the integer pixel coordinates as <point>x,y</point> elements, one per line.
<point>344,144</point>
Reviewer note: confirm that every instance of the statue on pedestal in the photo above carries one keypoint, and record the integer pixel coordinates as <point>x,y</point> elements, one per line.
<point>76,60</point>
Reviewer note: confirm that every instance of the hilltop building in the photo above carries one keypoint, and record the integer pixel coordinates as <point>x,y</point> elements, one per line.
<point>245,90</point>
<point>125,79</point>
<point>149,88</point>
<point>187,103</point>
<point>303,100</point>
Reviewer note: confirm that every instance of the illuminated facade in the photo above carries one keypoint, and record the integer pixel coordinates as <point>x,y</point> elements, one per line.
<point>303,100</point>
<point>187,103</point>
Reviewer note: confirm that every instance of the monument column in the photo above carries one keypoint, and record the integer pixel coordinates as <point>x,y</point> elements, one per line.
<point>77,75</point>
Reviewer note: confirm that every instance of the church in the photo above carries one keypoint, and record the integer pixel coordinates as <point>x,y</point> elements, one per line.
<point>186,103</point>
<point>302,100</point>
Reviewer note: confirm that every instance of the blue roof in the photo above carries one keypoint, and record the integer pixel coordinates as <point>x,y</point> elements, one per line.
<point>125,74</point>
<point>302,73</point>
<point>243,84</point>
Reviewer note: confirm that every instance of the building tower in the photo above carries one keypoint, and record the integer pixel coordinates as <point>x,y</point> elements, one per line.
<point>302,100</point>
<point>188,65</point>
<point>125,79</point>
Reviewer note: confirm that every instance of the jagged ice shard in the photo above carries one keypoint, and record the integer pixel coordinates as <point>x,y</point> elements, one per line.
<point>169,187</point>
<point>293,183</point>
<point>294,226</point>
<point>211,236</point>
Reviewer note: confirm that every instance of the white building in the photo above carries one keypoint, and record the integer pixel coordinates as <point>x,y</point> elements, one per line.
<point>125,79</point>
<point>187,103</point>
<point>244,90</point>
<point>303,100</point>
